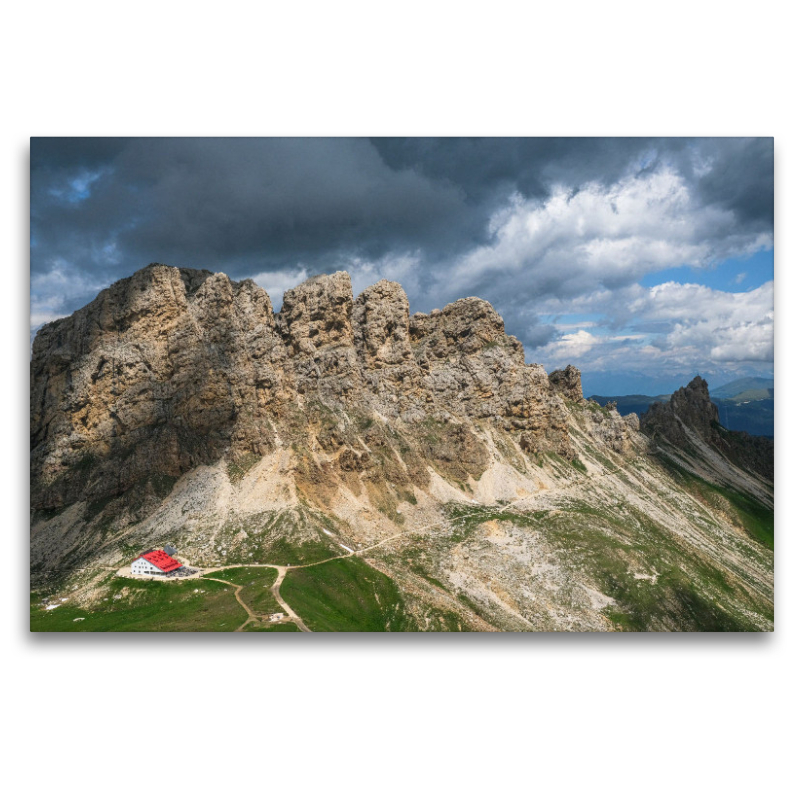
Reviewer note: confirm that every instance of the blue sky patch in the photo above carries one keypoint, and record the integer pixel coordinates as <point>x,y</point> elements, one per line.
<point>732,275</point>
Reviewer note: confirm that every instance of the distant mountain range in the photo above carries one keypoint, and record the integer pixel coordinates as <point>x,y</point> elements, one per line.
<point>746,404</point>
<point>759,388</point>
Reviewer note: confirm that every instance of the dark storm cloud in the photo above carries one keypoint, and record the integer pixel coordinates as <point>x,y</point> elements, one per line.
<point>740,173</point>
<point>256,204</point>
<point>742,179</point>
<point>75,153</point>
<point>240,204</point>
<point>482,167</point>
<point>285,199</point>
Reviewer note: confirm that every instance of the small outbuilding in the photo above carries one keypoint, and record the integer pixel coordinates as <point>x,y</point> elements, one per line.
<point>155,562</point>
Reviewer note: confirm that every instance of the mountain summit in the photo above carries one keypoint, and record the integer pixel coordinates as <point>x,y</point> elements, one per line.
<point>689,422</point>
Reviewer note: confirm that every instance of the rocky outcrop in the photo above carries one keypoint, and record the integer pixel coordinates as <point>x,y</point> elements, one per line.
<point>392,377</point>
<point>173,368</point>
<point>632,421</point>
<point>162,372</point>
<point>610,430</point>
<point>690,410</point>
<point>469,363</point>
<point>317,328</point>
<point>689,406</point>
<point>568,382</point>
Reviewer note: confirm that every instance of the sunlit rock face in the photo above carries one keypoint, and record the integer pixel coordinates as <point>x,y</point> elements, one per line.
<point>173,368</point>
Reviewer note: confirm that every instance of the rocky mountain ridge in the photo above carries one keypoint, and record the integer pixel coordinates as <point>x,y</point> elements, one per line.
<point>173,368</point>
<point>179,406</point>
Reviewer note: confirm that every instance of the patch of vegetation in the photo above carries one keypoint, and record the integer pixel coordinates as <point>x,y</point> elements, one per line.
<point>239,468</point>
<point>467,601</point>
<point>674,601</point>
<point>407,495</point>
<point>256,583</point>
<point>346,595</point>
<point>561,465</point>
<point>292,552</point>
<point>289,537</point>
<point>162,484</point>
<point>316,409</point>
<point>147,606</point>
<point>363,421</point>
<point>756,518</point>
<point>46,514</point>
<point>86,462</point>
<point>687,593</point>
<point>417,559</point>
<point>320,520</point>
<point>506,448</point>
<point>579,465</point>
<point>416,568</point>
<point>599,457</point>
<point>385,499</point>
<point>130,550</point>
<point>443,620</point>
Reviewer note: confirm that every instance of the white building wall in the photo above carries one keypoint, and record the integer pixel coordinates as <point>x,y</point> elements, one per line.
<point>143,567</point>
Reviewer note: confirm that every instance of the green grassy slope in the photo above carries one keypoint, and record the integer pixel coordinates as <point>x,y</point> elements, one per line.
<point>256,583</point>
<point>741,386</point>
<point>137,605</point>
<point>346,595</point>
<point>747,512</point>
<point>282,627</point>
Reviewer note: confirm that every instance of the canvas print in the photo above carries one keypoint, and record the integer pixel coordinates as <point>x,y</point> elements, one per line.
<point>401,384</point>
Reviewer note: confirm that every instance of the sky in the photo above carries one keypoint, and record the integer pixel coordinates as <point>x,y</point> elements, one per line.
<point>643,262</point>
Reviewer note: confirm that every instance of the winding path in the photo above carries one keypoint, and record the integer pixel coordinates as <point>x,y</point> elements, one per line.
<point>262,618</point>
<point>251,617</point>
<point>282,570</point>
<point>276,592</point>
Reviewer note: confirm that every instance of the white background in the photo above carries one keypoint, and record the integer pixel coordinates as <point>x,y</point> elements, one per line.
<point>397,716</point>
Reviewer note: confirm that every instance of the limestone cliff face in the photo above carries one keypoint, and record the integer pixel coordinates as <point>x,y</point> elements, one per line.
<point>470,366</point>
<point>392,377</point>
<point>163,371</point>
<point>568,382</point>
<point>174,368</point>
<point>316,323</point>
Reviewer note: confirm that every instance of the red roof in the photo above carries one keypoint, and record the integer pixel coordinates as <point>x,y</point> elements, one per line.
<point>161,560</point>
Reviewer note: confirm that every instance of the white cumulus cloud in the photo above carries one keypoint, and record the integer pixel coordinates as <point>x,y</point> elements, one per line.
<point>675,326</point>
<point>576,241</point>
<point>568,347</point>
